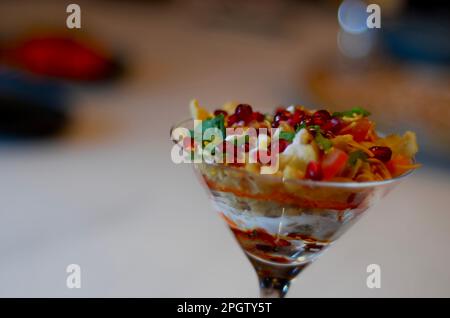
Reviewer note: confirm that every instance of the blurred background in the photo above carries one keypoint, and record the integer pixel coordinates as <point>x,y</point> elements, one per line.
<point>85,169</point>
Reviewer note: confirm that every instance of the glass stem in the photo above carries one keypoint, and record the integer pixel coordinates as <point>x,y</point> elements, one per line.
<point>273,287</point>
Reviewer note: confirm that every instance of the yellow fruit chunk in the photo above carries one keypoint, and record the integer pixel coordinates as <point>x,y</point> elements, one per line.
<point>198,112</point>
<point>229,107</point>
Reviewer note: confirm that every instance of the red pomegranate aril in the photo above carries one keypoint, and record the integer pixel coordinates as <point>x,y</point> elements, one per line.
<point>307,120</point>
<point>282,145</point>
<point>296,118</point>
<point>381,153</point>
<point>278,118</point>
<point>218,112</point>
<point>244,112</point>
<point>333,125</point>
<point>280,110</point>
<point>293,122</point>
<point>231,120</point>
<point>258,116</point>
<point>313,171</point>
<point>282,115</point>
<point>320,117</point>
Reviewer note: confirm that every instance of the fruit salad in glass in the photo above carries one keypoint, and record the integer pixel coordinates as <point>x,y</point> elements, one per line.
<point>330,167</point>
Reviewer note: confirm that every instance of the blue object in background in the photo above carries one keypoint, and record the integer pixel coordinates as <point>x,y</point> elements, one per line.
<point>31,107</point>
<point>32,88</point>
<point>416,39</point>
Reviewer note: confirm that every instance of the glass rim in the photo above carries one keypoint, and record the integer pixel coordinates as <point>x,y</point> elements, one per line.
<point>304,182</point>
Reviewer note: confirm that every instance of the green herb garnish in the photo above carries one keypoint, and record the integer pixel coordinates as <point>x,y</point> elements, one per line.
<point>287,135</point>
<point>300,127</point>
<point>355,155</point>
<point>352,112</point>
<point>215,122</point>
<point>324,143</point>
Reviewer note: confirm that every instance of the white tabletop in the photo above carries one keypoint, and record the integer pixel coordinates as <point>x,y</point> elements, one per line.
<point>109,198</point>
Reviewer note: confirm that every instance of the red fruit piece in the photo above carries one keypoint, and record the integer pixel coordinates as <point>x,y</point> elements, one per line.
<point>258,116</point>
<point>320,117</point>
<point>282,145</point>
<point>361,129</point>
<point>244,112</point>
<point>313,171</point>
<point>333,125</point>
<point>231,120</point>
<point>280,115</point>
<point>333,163</point>
<point>307,120</point>
<point>381,153</point>
<point>296,118</point>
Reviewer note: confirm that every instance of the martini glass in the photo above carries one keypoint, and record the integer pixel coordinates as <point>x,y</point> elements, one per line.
<point>284,225</point>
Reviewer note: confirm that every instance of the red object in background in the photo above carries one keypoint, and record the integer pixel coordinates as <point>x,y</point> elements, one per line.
<point>60,56</point>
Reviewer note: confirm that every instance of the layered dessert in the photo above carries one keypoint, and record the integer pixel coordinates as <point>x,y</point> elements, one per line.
<point>330,167</point>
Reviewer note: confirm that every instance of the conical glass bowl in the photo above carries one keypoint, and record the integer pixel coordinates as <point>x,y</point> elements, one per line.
<point>283,225</point>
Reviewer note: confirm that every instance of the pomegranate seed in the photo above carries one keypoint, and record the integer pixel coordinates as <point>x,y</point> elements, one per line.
<point>280,109</point>
<point>232,119</point>
<point>296,118</point>
<point>217,112</point>
<point>282,115</point>
<point>313,171</point>
<point>258,116</point>
<point>293,122</point>
<point>381,153</point>
<point>334,125</point>
<point>320,117</point>
<point>282,145</point>
<point>244,112</point>
<point>307,120</point>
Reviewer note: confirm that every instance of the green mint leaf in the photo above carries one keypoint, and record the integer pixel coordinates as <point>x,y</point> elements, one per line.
<point>287,135</point>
